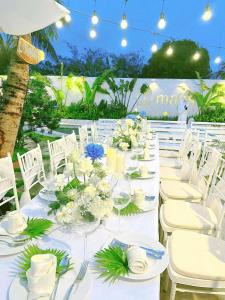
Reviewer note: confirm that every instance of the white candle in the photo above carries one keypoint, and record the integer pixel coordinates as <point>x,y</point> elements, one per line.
<point>139,198</point>
<point>144,171</point>
<point>146,153</point>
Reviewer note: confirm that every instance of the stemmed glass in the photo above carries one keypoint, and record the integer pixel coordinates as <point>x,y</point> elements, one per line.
<point>121,195</point>
<point>84,227</point>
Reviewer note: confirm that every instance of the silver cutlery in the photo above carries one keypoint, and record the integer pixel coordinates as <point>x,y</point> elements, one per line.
<point>18,238</point>
<point>13,243</point>
<point>79,278</point>
<point>64,264</point>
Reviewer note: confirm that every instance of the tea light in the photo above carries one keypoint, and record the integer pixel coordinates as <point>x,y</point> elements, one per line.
<point>16,222</point>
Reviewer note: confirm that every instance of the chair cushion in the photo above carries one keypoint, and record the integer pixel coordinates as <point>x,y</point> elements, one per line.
<point>197,255</point>
<point>167,173</point>
<point>180,190</point>
<point>170,162</point>
<point>186,215</point>
<point>169,153</point>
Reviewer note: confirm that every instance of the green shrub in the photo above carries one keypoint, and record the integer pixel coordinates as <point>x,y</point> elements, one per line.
<point>216,114</point>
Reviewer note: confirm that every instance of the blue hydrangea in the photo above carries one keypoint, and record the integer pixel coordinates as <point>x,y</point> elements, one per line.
<point>94,151</point>
<point>132,117</point>
<point>143,114</point>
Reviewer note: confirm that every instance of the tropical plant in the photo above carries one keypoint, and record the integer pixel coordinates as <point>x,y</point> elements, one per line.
<point>16,85</point>
<point>207,97</point>
<point>36,227</point>
<point>5,53</point>
<point>89,92</point>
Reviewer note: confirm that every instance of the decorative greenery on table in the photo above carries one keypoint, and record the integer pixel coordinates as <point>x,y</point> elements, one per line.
<point>131,209</point>
<point>62,198</point>
<point>134,175</point>
<point>112,263</point>
<point>24,261</point>
<point>36,227</point>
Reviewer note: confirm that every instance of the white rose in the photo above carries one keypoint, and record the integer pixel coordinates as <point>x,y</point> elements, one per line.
<point>90,191</point>
<point>74,156</point>
<point>108,207</point>
<point>96,208</point>
<point>64,215</point>
<point>85,166</point>
<point>73,194</point>
<point>129,122</point>
<point>124,146</point>
<point>60,181</point>
<point>103,186</point>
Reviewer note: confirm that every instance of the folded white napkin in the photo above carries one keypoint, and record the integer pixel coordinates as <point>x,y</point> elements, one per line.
<point>15,222</point>
<point>137,260</point>
<point>41,276</point>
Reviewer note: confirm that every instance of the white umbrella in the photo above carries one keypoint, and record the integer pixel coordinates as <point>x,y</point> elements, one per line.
<point>19,17</point>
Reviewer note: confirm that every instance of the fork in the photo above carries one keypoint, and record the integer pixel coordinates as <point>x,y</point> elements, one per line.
<point>80,276</point>
<point>13,243</point>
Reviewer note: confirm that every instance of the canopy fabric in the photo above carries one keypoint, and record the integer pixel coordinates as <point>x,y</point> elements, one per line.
<point>20,17</point>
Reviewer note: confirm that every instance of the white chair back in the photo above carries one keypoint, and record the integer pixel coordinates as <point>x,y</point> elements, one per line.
<point>94,133</point>
<point>186,144</point>
<point>216,198</point>
<point>7,181</point>
<point>57,152</point>
<point>83,136</point>
<point>32,170</point>
<point>70,143</point>
<point>202,176</point>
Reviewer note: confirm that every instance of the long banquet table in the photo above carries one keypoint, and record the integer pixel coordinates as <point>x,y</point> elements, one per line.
<point>145,224</point>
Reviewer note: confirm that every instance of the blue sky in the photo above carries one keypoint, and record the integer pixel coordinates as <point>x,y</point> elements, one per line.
<point>183,21</point>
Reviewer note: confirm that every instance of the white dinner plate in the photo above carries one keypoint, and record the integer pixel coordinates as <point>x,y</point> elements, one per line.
<point>151,157</point>
<point>156,266</point>
<point>47,196</point>
<point>18,290</point>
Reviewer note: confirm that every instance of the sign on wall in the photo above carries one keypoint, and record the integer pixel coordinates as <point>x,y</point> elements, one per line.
<point>30,54</point>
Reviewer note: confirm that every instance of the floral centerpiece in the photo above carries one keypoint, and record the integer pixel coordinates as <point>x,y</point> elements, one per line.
<point>88,196</point>
<point>126,137</point>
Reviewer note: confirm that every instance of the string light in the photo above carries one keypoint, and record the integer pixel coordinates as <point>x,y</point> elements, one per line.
<point>59,24</point>
<point>207,15</point>
<point>196,56</point>
<point>169,51</point>
<point>68,18</point>
<point>93,33</point>
<point>94,18</point>
<point>124,23</point>
<point>162,21</point>
<point>124,43</point>
<point>154,48</point>
<point>218,60</point>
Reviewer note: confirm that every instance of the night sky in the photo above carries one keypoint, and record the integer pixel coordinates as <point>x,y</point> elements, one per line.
<point>183,21</point>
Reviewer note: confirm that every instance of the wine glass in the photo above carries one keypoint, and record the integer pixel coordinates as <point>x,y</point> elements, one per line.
<point>84,227</point>
<point>121,195</point>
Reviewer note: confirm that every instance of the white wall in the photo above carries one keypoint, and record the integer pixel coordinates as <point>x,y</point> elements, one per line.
<point>165,97</point>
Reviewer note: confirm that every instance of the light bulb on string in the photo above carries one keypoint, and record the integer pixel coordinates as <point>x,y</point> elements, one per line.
<point>162,21</point>
<point>124,23</point>
<point>154,48</point>
<point>59,24</point>
<point>68,18</point>
<point>196,56</point>
<point>169,51</point>
<point>93,33</point>
<point>207,15</point>
<point>218,60</point>
<point>94,18</point>
<point>124,43</point>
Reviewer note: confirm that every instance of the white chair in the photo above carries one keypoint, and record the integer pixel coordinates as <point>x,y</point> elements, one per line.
<point>196,263</point>
<point>83,136</point>
<point>197,187</point>
<point>175,159</point>
<point>206,218</point>
<point>70,143</point>
<point>183,174</point>
<point>57,152</point>
<point>7,181</point>
<point>32,171</point>
<point>94,133</point>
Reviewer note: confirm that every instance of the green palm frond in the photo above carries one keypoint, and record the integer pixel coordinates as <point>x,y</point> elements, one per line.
<point>36,227</point>
<point>131,209</point>
<point>112,263</point>
<point>24,260</point>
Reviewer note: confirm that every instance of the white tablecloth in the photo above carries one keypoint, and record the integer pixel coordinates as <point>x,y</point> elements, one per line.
<point>142,224</point>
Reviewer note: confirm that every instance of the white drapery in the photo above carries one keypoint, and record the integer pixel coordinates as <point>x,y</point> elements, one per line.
<point>26,16</point>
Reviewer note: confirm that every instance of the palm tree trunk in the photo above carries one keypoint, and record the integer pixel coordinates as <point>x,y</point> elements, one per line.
<point>13,97</point>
